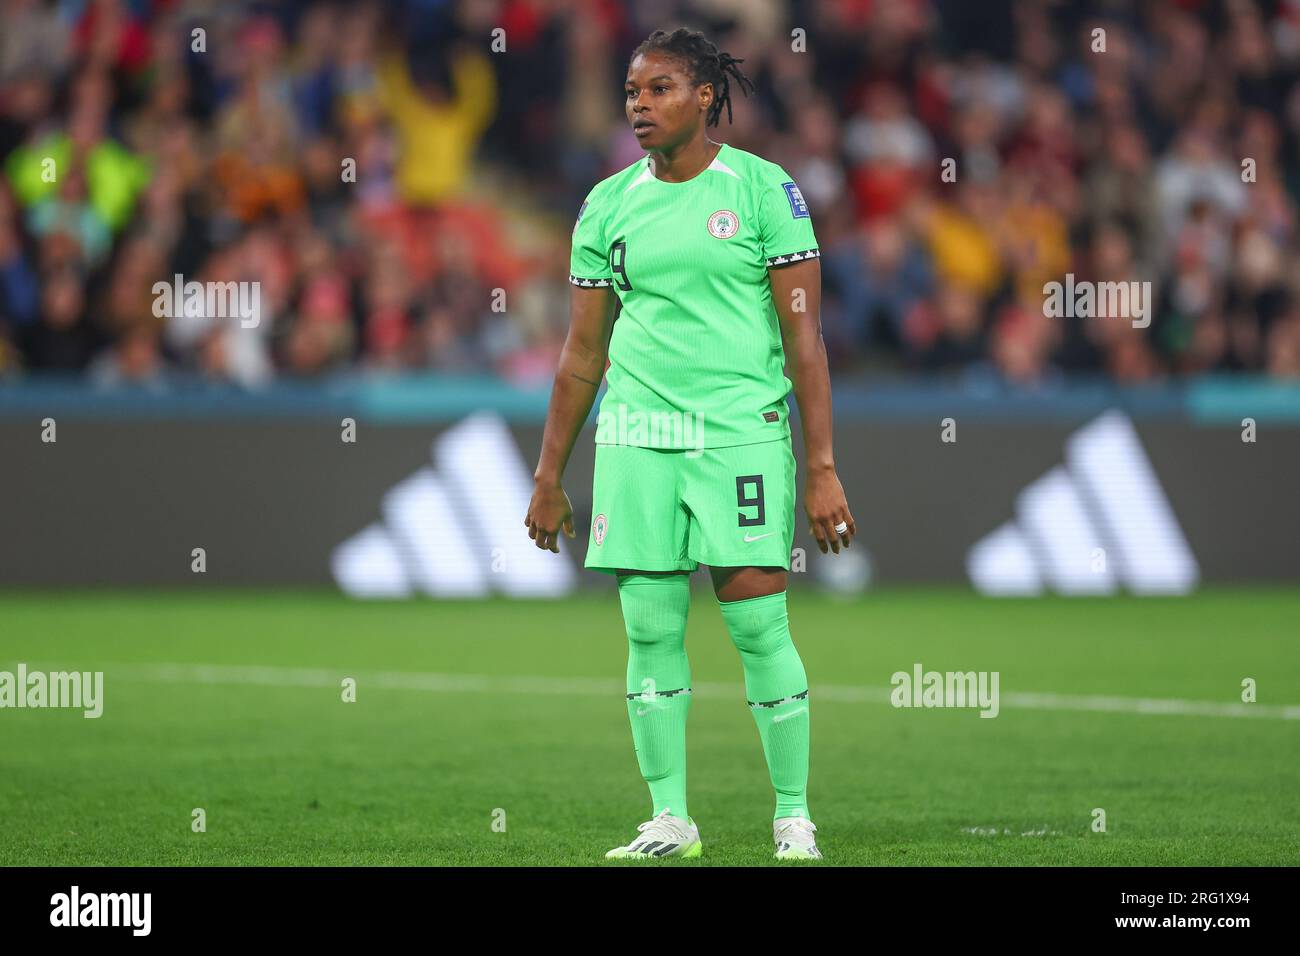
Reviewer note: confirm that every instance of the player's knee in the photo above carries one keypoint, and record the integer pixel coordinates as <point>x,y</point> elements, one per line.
<point>763,647</point>
<point>654,609</point>
<point>759,627</point>
<point>651,635</point>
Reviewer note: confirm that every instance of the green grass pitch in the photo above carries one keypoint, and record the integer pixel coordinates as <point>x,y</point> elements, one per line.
<point>470,712</point>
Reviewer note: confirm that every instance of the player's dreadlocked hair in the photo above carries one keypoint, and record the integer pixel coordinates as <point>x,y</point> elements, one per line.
<point>704,62</point>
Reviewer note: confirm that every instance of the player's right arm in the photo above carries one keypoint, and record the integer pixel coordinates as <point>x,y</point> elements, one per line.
<point>582,363</point>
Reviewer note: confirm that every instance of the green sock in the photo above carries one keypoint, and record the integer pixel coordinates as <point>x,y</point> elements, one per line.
<point>777,688</point>
<point>658,681</point>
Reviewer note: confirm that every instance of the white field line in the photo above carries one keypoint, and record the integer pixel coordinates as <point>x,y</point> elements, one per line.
<point>603,687</point>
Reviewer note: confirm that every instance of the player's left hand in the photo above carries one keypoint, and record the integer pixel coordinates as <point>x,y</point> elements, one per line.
<point>549,513</point>
<point>828,509</point>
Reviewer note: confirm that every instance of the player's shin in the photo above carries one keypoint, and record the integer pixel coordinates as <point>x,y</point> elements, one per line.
<point>658,682</point>
<point>776,686</point>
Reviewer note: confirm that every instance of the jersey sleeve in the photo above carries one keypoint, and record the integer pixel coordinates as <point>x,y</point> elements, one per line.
<point>589,258</point>
<point>785,225</point>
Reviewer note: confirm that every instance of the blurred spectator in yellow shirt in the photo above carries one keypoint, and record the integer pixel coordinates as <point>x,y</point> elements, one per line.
<point>438,128</point>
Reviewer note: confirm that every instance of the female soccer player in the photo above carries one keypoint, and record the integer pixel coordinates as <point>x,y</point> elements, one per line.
<point>695,272</point>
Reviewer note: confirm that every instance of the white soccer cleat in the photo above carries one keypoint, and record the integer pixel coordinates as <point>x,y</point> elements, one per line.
<point>665,835</point>
<point>794,839</point>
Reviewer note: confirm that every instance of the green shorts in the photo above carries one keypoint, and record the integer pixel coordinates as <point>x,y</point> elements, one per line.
<point>672,510</point>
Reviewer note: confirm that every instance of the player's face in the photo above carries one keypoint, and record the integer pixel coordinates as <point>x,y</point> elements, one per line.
<point>663,107</point>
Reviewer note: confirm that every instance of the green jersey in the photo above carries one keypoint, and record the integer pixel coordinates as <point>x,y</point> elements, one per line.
<point>695,354</point>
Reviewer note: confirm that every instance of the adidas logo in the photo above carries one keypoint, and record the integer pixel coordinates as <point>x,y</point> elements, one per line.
<point>1099,521</point>
<point>455,530</point>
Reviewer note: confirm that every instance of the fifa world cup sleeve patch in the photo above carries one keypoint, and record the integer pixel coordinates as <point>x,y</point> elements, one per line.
<point>798,208</point>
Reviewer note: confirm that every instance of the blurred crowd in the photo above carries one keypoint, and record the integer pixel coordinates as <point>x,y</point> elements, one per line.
<point>401,178</point>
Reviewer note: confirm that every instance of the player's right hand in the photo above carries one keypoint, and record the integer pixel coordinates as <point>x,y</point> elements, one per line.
<point>548,512</point>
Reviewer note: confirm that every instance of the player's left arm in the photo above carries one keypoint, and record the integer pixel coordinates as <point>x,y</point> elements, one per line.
<point>796,293</point>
